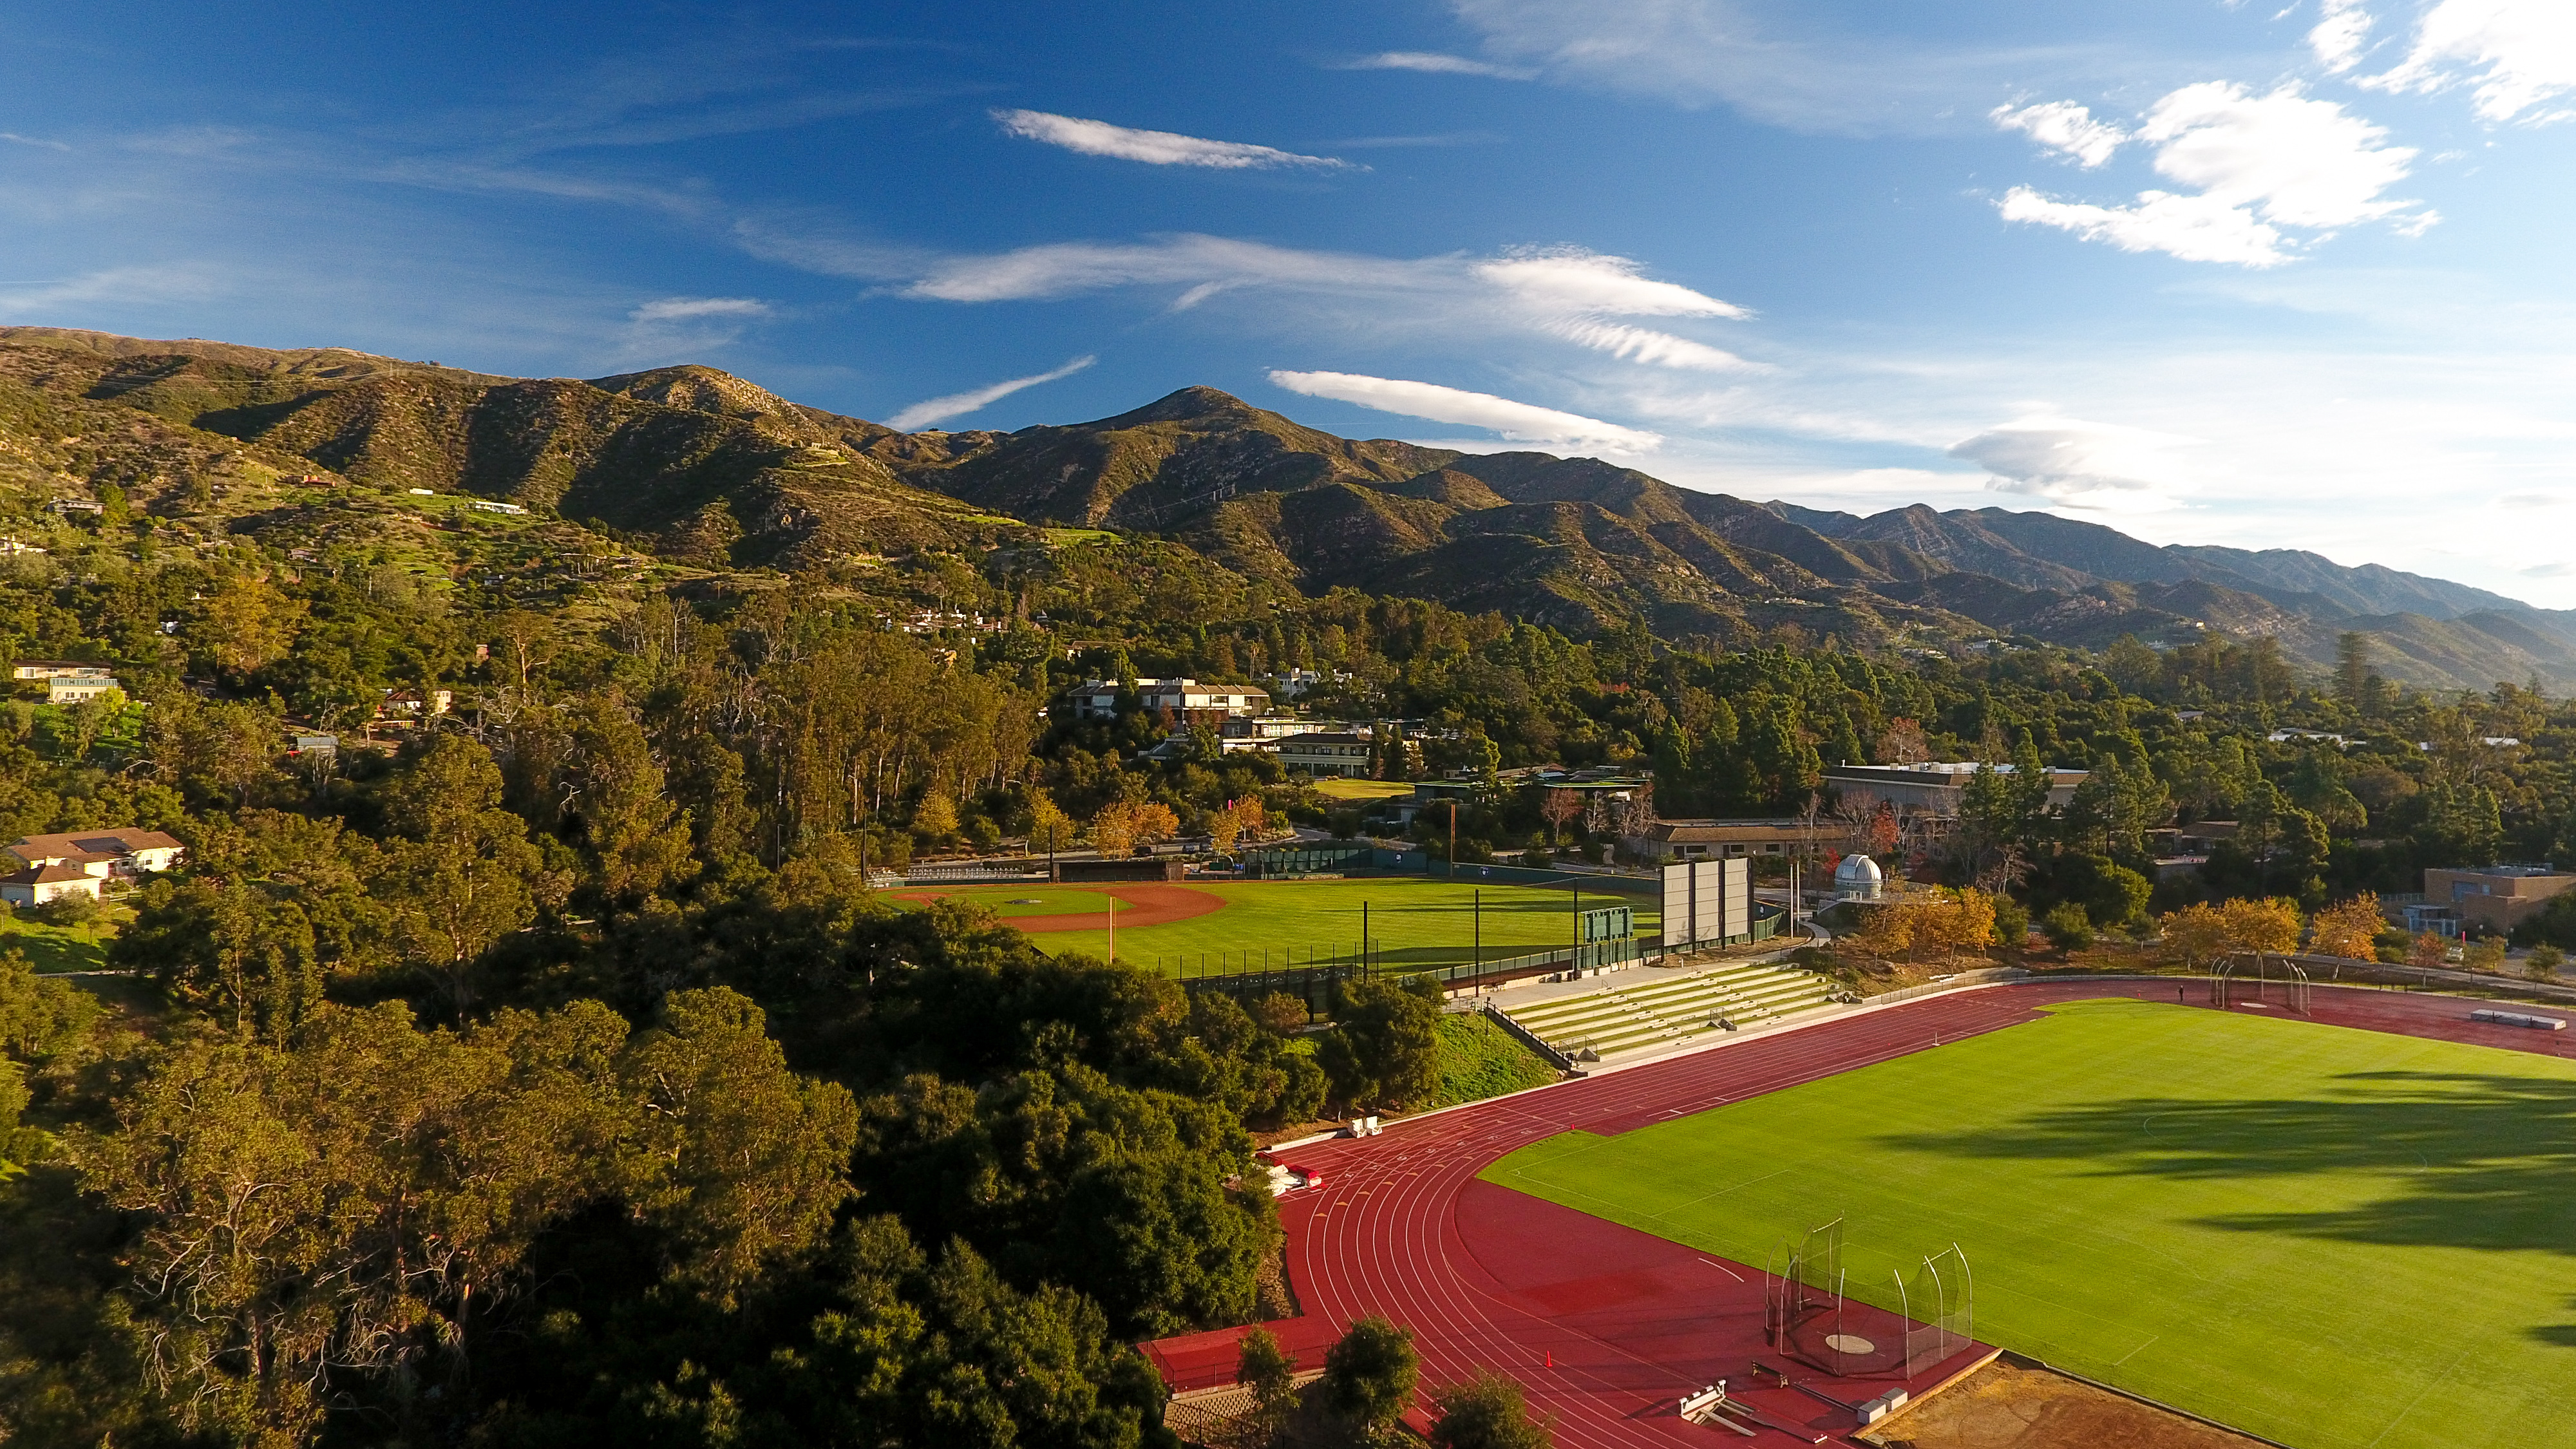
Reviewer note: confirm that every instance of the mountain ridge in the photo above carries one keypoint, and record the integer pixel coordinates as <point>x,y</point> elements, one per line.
<point>705,467</point>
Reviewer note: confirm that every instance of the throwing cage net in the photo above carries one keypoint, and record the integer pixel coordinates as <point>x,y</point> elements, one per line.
<point>2288,985</point>
<point>1808,1315</point>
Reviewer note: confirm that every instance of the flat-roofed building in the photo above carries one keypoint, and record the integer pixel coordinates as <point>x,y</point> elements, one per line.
<point>1936,786</point>
<point>79,688</point>
<point>1729,839</point>
<point>2494,897</point>
<point>1187,701</point>
<point>1325,754</point>
<point>58,669</point>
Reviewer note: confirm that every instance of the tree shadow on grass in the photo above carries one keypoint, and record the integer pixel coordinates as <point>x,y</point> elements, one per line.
<point>2470,1160</point>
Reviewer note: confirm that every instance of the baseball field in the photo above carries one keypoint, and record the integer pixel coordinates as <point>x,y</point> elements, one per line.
<point>2327,1236</point>
<point>1247,925</point>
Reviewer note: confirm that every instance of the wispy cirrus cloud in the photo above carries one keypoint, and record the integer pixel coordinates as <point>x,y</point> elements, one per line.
<point>1564,292</point>
<point>2261,163</point>
<point>2341,34</point>
<point>1154,148</point>
<point>957,404</point>
<point>14,139</point>
<point>1518,421</point>
<point>677,309</point>
<point>1434,62</point>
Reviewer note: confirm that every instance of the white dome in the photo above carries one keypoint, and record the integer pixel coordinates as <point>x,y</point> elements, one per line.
<point>1857,878</point>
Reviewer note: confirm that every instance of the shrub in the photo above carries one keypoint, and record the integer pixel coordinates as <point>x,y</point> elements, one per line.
<point>2067,927</point>
<point>2484,954</point>
<point>2012,922</point>
<point>2543,962</point>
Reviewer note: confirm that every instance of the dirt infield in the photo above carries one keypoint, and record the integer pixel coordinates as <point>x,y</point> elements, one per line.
<point>2010,1406</point>
<point>1148,905</point>
<point>1606,1326</point>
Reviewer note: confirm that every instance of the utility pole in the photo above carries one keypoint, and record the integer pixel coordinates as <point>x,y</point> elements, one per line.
<point>1477,912</point>
<point>1453,840</point>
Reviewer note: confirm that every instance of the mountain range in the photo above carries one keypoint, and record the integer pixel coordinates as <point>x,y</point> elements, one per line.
<point>704,468</point>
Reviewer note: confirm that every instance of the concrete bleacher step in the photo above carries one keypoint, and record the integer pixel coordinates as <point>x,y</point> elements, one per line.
<point>1627,1016</point>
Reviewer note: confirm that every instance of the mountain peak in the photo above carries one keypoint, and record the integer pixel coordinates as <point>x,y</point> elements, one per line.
<point>698,389</point>
<point>1189,404</point>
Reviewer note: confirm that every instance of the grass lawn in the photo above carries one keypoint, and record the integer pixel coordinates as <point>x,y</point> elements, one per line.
<point>1411,922</point>
<point>60,948</point>
<point>1479,1059</point>
<point>1340,789</point>
<point>2326,1236</point>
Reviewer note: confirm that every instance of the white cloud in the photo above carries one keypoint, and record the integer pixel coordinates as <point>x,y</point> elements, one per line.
<point>2520,53</point>
<point>2261,163</point>
<point>1437,64</point>
<point>680,309</point>
<point>957,404</point>
<point>1154,148</point>
<point>1570,279</point>
<point>2063,127</point>
<point>2194,228</point>
<point>41,144</point>
<point>2075,463</point>
<point>1562,292</point>
<point>2341,33</point>
<point>1518,421</point>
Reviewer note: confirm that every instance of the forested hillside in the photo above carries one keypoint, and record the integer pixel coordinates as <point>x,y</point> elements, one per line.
<point>543,1070</point>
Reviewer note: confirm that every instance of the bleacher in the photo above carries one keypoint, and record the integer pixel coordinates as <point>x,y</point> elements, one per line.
<point>1658,1008</point>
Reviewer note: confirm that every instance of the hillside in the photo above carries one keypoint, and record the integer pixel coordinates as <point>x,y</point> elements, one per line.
<point>707,470</point>
<point>699,465</point>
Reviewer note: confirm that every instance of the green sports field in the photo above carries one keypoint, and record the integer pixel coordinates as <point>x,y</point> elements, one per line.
<point>1411,922</point>
<point>2326,1236</point>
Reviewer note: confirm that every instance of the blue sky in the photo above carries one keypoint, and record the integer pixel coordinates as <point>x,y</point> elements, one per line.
<point>2251,274</point>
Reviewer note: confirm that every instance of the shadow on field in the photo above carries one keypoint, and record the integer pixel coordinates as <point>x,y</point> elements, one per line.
<point>2471,1160</point>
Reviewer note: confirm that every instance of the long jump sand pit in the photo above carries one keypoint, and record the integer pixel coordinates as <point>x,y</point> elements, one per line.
<point>1139,906</point>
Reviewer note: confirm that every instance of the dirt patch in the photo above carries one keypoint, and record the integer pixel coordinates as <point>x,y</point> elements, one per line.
<point>1149,905</point>
<point>2008,1405</point>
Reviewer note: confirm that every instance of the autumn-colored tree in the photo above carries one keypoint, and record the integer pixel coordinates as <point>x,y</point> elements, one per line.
<point>1050,829</point>
<point>1560,808</point>
<point>2350,930</point>
<point>247,623</point>
<point>2428,950</point>
<point>2267,926</point>
<point>2197,933</point>
<point>1113,830</point>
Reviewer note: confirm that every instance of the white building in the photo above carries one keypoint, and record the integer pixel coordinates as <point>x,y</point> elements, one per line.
<point>39,884</point>
<point>1187,701</point>
<point>1325,755</point>
<point>78,688</point>
<point>125,851</point>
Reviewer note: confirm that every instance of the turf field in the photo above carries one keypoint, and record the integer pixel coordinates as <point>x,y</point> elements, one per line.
<point>1411,922</point>
<point>2326,1236</point>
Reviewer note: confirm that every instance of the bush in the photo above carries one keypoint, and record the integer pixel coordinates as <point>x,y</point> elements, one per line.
<point>2012,922</point>
<point>2484,954</point>
<point>2543,962</point>
<point>2067,927</point>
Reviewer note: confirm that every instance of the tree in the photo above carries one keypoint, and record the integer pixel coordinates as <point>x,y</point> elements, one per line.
<point>1903,743</point>
<point>2352,667</point>
<point>2067,927</point>
<point>2350,930</point>
<point>1385,1043</point>
<point>241,951</point>
<point>2428,950</point>
<point>247,623</point>
<point>616,794</point>
<point>1487,1412</point>
<point>463,873</point>
<point>1560,807</point>
<point>1050,829</point>
<point>2265,927</point>
<point>1369,1376</point>
<point>2541,962</point>
<point>2197,933</point>
<point>1266,1369</point>
<point>751,1154</point>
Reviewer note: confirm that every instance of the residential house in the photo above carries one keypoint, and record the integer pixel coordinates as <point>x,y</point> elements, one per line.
<point>58,669</point>
<point>78,688</point>
<point>41,884</point>
<point>124,851</point>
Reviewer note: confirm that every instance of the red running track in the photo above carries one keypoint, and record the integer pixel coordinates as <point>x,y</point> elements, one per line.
<point>1605,1326</point>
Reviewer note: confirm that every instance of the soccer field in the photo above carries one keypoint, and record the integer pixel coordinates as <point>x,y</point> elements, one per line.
<point>2326,1236</point>
<point>1411,921</point>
